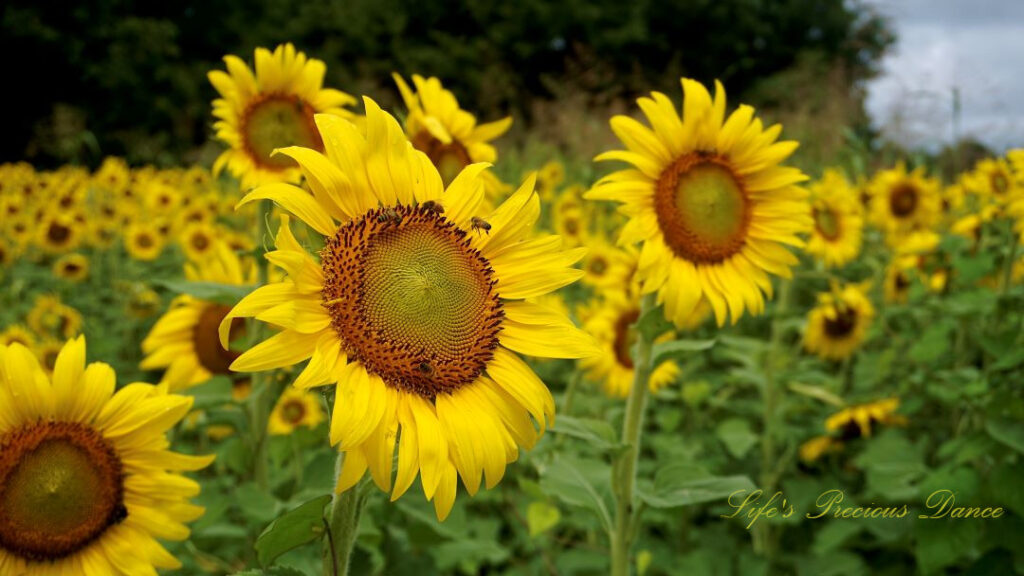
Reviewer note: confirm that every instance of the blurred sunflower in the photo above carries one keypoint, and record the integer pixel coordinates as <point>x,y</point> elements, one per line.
<point>571,225</point>
<point>611,323</point>
<point>447,134</point>
<point>902,202</point>
<point>899,277</point>
<point>836,237</point>
<point>184,341</point>
<point>439,285</point>
<point>143,303</point>
<point>813,449</point>
<point>87,482</point>
<point>7,254</point>
<point>17,334</point>
<point>991,179</point>
<point>607,266</point>
<point>549,178</point>
<point>50,316</point>
<point>73,267</point>
<point>143,241</point>
<point>47,350</point>
<point>273,108</point>
<point>294,409</point>
<point>710,202</point>
<point>198,240</point>
<point>60,232</point>
<point>971,225</point>
<point>837,326</point>
<point>113,175</point>
<point>857,421</point>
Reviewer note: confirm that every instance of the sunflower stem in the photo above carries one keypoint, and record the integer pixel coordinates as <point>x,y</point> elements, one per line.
<point>342,527</point>
<point>624,471</point>
<point>260,399</point>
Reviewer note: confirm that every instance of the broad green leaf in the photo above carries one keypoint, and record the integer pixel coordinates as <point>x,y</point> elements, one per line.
<point>735,433</point>
<point>292,529</point>
<point>541,517</point>
<point>573,482</point>
<point>933,343</point>
<point>683,484</point>
<point>597,432</point>
<point>1009,432</point>
<point>227,294</point>
<point>668,350</point>
<point>258,506</point>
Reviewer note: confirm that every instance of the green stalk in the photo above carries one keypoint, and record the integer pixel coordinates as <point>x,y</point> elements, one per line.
<point>342,527</point>
<point>1010,259</point>
<point>260,399</point>
<point>624,470</point>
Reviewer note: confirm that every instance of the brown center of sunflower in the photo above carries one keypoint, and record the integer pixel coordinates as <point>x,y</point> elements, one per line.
<point>58,233</point>
<point>71,268</point>
<point>200,241</point>
<point>597,266</point>
<point>625,338</point>
<point>293,412</point>
<point>903,200</point>
<point>702,208</point>
<point>411,299</point>
<point>826,221</point>
<point>49,358</point>
<point>206,341</point>
<point>449,159</point>
<point>61,487</point>
<point>276,121</point>
<point>144,240</point>
<point>999,183</point>
<point>842,324</point>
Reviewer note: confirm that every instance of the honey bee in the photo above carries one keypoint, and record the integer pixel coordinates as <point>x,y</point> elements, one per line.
<point>479,224</point>
<point>433,207</point>
<point>389,214</point>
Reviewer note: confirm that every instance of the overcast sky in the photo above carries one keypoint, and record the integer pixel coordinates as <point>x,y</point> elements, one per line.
<point>974,45</point>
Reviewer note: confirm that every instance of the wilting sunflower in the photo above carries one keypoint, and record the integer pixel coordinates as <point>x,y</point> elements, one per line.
<point>185,341</point>
<point>709,200</point>
<point>50,316</point>
<point>87,480</point>
<point>856,421</point>
<point>836,237</point>
<point>837,326</point>
<point>294,409</point>
<point>416,309</point>
<point>815,448</point>
<point>258,113</point>
<point>73,267</point>
<point>902,202</point>
<point>447,134</point>
<point>611,323</point>
<point>143,241</point>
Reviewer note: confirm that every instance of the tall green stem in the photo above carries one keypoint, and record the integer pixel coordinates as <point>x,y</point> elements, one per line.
<point>260,399</point>
<point>343,527</point>
<point>624,470</point>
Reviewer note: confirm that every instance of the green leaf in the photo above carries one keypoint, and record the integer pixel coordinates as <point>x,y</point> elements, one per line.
<point>735,433</point>
<point>653,323</point>
<point>668,350</point>
<point>597,432</point>
<point>1007,431</point>
<point>292,529</point>
<point>258,506</point>
<point>469,555</point>
<point>227,294</point>
<point>573,482</point>
<point>683,484</point>
<point>541,517</point>
<point>933,344</point>
<point>214,392</point>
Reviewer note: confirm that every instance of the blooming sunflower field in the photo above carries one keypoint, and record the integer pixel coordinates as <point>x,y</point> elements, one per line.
<point>363,341</point>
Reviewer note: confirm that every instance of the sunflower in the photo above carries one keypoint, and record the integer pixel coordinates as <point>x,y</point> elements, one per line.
<point>447,134</point>
<point>549,178</point>
<point>902,201</point>
<point>836,237</point>
<point>971,225</point>
<point>571,225</point>
<point>294,409</point>
<point>73,267</point>
<point>113,176</point>
<point>143,303</point>
<point>198,240</point>
<point>992,180</point>
<point>856,421</point>
<point>607,266</point>
<point>17,334</point>
<point>60,232</point>
<point>50,316</point>
<point>143,241</point>
<point>710,202</point>
<point>899,277</point>
<point>87,480</point>
<point>813,449</point>
<point>258,113</point>
<point>47,350</point>
<point>416,309</point>
<point>837,326</point>
<point>611,323</point>
<point>184,341</point>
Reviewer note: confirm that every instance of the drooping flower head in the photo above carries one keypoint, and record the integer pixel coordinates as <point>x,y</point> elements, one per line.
<point>269,109</point>
<point>709,201</point>
<point>87,480</point>
<point>415,308</point>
